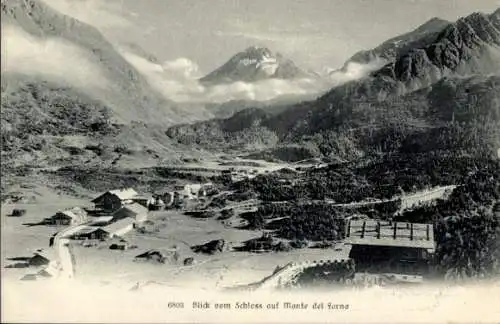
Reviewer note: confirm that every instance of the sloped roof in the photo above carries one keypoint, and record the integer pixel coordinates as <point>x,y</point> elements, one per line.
<point>88,230</point>
<point>140,197</point>
<point>134,208</point>
<point>77,229</point>
<point>74,213</point>
<point>122,194</point>
<point>102,219</point>
<point>407,234</point>
<point>118,225</point>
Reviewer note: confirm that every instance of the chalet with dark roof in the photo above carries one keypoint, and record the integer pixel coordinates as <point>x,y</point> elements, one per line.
<point>390,247</point>
<point>112,200</point>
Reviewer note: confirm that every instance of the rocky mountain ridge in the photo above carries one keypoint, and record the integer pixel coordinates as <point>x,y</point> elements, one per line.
<point>422,91</point>
<point>253,64</point>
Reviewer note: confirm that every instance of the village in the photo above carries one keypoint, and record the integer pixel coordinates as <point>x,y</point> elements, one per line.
<point>113,214</point>
<point>139,226</point>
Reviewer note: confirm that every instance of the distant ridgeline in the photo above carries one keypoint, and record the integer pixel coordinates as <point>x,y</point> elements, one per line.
<point>439,91</point>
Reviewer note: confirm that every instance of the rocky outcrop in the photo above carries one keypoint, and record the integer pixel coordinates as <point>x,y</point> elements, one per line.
<point>465,47</point>
<point>210,247</point>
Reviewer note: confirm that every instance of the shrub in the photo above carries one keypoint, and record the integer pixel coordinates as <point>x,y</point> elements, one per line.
<point>226,214</point>
<point>18,212</point>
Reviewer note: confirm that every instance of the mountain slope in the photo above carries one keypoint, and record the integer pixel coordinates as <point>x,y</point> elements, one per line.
<point>45,124</point>
<point>397,46</point>
<point>254,64</point>
<point>469,46</point>
<point>442,95</point>
<point>121,87</point>
<point>453,114</point>
<point>69,98</point>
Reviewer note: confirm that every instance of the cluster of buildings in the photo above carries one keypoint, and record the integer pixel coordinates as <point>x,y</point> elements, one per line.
<point>187,192</point>
<point>116,212</point>
<point>241,174</point>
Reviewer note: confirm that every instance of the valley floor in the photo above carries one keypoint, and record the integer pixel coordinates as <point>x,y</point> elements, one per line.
<point>97,276</point>
<point>176,231</point>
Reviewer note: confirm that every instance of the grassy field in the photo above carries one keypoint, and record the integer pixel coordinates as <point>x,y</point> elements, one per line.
<point>181,232</point>
<point>175,231</point>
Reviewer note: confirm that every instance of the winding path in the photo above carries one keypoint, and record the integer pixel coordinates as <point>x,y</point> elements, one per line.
<point>66,257</point>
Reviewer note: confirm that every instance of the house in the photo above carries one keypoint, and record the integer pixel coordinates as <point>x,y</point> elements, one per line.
<point>134,210</point>
<point>178,200</point>
<point>390,247</point>
<point>67,217</point>
<point>91,233</point>
<point>39,259</point>
<point>121,227</point>
<point>194,190</point>
<point>119,246</point>
<point>43,257</point>
<point>168,198</point>
<point>156,203</point>
<point>148,227</point>
<point>113,200</point>
<point>183,191</point>
<point>141,200</point>
<point>207,189</point>
<point>188,191</point>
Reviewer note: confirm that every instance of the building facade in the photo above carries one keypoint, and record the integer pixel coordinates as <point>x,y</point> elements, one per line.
<point>113,200</point>
<point>390,247</point>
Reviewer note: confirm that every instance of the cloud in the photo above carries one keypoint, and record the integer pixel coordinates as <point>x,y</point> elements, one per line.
<point>52,58</point>
<point>98,13</point>
<point>172,79</point>
<point>260,91</point>
<point>183,67</point>
<point>178,80</point>
<point>353,71</point>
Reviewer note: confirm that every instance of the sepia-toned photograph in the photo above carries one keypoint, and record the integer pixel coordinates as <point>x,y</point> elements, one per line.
<point>250,161</point>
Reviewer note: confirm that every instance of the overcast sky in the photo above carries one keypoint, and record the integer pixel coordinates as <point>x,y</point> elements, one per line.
<point>314,33</point>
